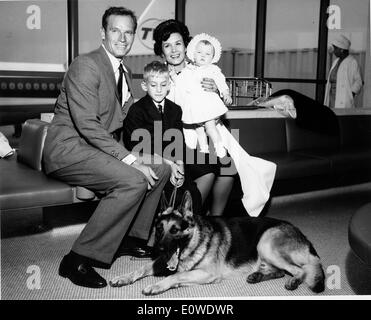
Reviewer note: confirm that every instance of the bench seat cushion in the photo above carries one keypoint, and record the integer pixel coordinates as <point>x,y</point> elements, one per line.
<point>355,130</point>
<point>301,139</point>
<point>352,159</point>
<point>260,135</point>
<point>359,234</point>
<point>345,160</point>
<point>292,165</point>
<point>21,187</point>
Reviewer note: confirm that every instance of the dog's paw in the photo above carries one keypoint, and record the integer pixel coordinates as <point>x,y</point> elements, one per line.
<point>255,277</point>
<point>153,289</point>
<point>121,281</point>
<point>292,283</point>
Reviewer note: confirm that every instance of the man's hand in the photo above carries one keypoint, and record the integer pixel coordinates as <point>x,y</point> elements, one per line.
<point>209,85</point>
<point>148,172</point>
<point>177,173</point>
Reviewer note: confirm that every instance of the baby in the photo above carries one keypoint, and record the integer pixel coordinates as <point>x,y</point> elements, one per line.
<point>202,108</point>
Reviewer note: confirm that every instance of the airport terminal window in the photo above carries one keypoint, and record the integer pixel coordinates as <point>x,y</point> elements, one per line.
<point>149,13</point>
<point>291,42</point>
<point>33,35</point>
<point>309,89</point>
<point>233,22</point>
<point>33,54</point>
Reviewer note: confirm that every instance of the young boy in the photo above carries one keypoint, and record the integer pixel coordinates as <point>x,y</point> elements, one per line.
<point>156,118</point>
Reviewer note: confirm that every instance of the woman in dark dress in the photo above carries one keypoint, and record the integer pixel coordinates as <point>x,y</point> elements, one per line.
<point>171,39</point>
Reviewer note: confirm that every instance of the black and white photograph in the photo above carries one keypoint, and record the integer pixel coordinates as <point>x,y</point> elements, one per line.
<point>185,156</point>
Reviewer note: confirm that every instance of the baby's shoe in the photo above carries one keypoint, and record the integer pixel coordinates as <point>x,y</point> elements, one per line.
<point>220,151</point>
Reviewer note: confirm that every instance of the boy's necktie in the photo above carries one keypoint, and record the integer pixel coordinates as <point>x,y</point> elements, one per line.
<point>161,111</point>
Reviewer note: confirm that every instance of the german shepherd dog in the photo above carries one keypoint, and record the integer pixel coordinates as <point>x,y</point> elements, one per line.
<point>201,250</point>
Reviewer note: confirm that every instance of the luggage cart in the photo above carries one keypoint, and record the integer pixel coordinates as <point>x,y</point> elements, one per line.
<point>246,90</point>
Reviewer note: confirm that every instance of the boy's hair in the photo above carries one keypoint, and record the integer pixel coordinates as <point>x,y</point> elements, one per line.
<point>118,11</point>
<point>154,67</point>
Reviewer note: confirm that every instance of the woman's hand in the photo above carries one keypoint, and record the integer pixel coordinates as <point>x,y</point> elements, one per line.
<point>147,171</point>
<point>209,85</point>
<point>227,98</point>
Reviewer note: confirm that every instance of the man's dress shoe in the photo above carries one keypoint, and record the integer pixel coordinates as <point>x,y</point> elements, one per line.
<point>80,272</point>
<point>135,247</point>
<point>138,252</point>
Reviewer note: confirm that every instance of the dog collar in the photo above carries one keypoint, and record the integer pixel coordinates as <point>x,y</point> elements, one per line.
<point>173,262</point>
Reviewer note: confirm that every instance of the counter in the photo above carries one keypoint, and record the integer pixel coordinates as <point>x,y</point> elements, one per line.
<point>267,113</point>
<point>17,110</point>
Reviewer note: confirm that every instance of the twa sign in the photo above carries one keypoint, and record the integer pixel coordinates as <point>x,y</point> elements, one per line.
<point>145,32</point>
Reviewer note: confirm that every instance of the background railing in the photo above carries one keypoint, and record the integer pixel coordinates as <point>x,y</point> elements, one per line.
<point>284,69</point>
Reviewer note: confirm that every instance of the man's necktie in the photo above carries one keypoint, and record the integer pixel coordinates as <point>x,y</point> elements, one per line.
<point>119,83</point>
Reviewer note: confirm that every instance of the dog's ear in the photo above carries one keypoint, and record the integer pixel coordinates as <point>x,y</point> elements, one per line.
<point>164,206</point>
<point>186,206</point>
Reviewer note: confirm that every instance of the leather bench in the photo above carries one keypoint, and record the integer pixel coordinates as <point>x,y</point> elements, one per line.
<point>24,185</point>
<point>303,155</point>
<point>359,233</point>
<point>351,151</point>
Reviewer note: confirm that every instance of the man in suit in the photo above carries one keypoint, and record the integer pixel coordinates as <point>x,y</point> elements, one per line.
<point>81,149</point>
<point>162,120</point>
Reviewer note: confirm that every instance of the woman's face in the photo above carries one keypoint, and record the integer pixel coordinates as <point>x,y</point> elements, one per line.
<point>173,49</point>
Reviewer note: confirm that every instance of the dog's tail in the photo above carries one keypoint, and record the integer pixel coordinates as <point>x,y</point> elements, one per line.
<point>314,274</point>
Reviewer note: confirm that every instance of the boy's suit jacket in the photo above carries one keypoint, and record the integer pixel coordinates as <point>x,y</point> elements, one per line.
<point>87,113</point>
<point>144,113</point>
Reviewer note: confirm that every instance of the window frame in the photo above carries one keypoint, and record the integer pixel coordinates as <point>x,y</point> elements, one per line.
<point>180,14</point>
<point>260,37</point>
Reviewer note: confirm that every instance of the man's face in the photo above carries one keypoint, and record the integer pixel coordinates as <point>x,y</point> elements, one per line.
<point>157,86</point>
<point>119,35</point>
<point>338,52</point>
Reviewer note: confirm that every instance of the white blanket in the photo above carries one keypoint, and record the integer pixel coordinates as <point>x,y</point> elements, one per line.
<point>256,174</point>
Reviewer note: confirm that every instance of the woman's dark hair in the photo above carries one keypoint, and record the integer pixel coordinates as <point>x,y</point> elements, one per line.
<point>165,29</point>
<point>118,11</point>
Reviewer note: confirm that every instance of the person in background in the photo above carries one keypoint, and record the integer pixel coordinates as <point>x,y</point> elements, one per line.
<point>82,149</point>
<point>344,80</point>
